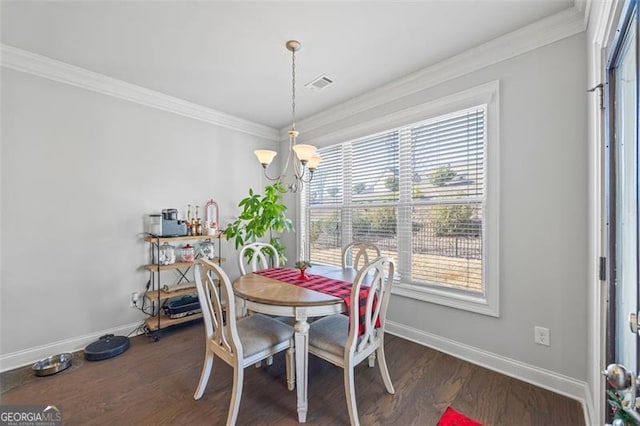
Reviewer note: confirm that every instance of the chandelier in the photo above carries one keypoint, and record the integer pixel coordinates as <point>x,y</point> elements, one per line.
<point>307,158</point>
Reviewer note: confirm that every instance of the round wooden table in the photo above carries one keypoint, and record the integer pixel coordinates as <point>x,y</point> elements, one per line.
<point>269,296</point>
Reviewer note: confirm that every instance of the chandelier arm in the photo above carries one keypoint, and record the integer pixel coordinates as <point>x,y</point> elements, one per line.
<point>309,177</point>
<point>279,177</point>
<point>298,169</point>
<point>296,186</point>
<point>286,164</point>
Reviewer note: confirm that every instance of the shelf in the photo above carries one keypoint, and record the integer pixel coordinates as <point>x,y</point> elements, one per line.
<point>153,239</point>
<point>164,295</point>
<point>178,265</point>
<point>179,286</point>
<point>152,322</point>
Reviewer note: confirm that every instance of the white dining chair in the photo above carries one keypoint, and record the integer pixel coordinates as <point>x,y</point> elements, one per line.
<point>238,342</point>
<point>337,338</point>
<point>257,256</point>
<point>358,254</point>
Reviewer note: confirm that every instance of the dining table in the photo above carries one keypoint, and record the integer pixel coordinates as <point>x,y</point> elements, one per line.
<point>259,293</point>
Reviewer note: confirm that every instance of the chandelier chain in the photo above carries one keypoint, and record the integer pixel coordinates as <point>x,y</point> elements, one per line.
<point>293,89</point>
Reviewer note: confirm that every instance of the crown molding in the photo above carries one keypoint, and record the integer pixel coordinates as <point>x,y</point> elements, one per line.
<point>541,33</point>
<point>42,66</point>
<point>468,98</point>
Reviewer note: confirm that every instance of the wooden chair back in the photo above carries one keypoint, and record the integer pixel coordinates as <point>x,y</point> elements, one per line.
<point>378,275</point>
<point>257,256</point>
<point>218,309</point>
<point>358,254</point>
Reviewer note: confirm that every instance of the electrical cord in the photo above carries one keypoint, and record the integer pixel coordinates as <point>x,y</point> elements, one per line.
<point>142,308</point>
<point>141,329</point>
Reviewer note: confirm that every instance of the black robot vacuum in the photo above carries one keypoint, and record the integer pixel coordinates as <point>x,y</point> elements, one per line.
<point>106,347</point>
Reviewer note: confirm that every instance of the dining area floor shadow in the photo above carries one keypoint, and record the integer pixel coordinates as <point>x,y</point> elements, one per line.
<point>153,383</point>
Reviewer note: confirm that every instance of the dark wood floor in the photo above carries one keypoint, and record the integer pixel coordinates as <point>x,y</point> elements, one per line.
<point>153,383</point>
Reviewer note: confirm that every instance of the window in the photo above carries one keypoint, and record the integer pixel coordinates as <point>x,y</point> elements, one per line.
<point>420,193</point>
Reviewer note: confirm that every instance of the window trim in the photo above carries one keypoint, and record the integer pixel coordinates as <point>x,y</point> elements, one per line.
<point>487,303</point>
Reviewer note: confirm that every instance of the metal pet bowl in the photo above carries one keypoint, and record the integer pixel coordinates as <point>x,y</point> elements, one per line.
<point>52,365</point>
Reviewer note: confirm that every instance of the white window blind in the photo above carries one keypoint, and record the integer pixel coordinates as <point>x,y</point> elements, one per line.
<point>324,208</point>
<point>447,200</point>
<point>417,192</point>
<point>374,168</point>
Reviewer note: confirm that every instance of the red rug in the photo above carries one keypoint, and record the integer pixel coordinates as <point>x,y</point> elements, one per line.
<point>452,418</point>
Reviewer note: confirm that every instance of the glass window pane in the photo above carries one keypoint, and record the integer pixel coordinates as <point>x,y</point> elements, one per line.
<point>447,245</point>
<point>626,105</point>
<point>325,236</point>
<point>326,186</point>
<point>375,169</point>
<point>377,225</point>
<point>448,156</point>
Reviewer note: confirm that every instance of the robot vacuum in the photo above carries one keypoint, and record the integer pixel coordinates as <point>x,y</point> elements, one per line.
<point>106,347</point>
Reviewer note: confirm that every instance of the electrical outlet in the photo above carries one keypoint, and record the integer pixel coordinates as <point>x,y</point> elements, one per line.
<point>541,336</point>
<point>135,297</point>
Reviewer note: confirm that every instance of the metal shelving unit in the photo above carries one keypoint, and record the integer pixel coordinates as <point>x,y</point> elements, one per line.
<point>157,294</point>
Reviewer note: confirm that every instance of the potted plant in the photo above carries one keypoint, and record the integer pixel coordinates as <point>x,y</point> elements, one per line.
<point>261,215</point>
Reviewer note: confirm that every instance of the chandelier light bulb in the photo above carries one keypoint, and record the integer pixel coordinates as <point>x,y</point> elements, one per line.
<point>304,152</point>
<point>265,156</point>
<point>314,162</point>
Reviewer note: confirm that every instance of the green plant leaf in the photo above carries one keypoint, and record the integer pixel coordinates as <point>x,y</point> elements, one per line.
<point>261,214</point>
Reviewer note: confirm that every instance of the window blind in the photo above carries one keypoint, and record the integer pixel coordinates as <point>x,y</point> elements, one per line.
<point>448,156</point>
<point>415,192</point>
<point>324,208</point>
<point>326,187</point>
<point>375,169</point>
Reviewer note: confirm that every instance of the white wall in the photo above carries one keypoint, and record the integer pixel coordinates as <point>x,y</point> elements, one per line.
<point>80,170</point>
<point>543,214</point>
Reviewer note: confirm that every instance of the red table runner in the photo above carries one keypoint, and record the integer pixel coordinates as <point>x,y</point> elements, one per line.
<point>330,286</point>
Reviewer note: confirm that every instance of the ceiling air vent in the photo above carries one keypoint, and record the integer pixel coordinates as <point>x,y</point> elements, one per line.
<point>319,83</point>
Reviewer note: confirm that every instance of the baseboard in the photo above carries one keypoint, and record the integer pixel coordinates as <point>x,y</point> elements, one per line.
<point>31,355</point>
<point>546,379</point>
<point>590,415</point>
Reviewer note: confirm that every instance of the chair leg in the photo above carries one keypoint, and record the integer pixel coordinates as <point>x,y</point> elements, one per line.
<point>290,364</point>
<point>350,394</point>
<point>204,376</point>
<point>236,394</point>
<point>384,371</point>
<point>372,360</point>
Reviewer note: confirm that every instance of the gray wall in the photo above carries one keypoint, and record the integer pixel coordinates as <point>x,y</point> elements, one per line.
<point>543,211</point>
<point>80,170</point>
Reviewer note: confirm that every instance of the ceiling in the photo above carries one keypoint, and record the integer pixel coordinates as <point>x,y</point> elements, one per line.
<point>231,56</point>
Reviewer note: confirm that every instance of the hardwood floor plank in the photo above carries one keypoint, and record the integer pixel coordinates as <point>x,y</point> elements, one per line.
<point>483,395</point>
<point>153,383</point>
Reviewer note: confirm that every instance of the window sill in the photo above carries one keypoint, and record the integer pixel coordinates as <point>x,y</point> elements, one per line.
<point>480,304</point>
